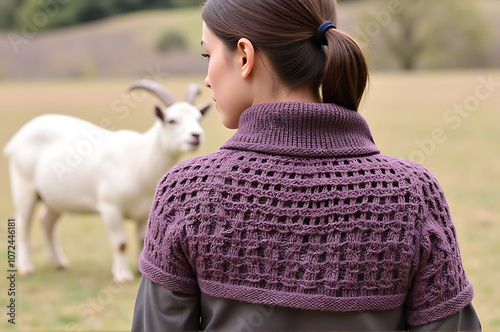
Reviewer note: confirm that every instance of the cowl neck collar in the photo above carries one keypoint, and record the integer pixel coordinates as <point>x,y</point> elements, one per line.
<point>303,129</point>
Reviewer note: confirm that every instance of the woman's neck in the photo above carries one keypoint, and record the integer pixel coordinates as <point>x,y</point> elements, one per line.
<point>268,88</point>
<point>288,95</point>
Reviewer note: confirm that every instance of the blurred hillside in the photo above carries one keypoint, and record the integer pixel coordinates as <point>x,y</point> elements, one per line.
<point>123,45</point>
<point>128,44</point>
<point>61,13</point>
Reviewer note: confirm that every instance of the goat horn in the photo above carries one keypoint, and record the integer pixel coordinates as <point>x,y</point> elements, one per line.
<point>192,92</point>
<point>155,88</point>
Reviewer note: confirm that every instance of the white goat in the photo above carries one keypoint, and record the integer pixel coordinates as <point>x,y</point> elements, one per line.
<point>71,165</point>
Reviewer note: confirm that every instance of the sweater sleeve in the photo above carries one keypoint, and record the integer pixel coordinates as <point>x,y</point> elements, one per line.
<point>440,287</point>
<point>164,259</point>
<point>464,320</point>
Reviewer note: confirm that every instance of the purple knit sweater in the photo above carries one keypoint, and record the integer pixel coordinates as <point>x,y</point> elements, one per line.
<point>299,209</point>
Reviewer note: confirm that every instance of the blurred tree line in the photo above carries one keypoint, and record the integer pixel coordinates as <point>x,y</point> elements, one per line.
<point>426,34</point>
<point>14,13</point>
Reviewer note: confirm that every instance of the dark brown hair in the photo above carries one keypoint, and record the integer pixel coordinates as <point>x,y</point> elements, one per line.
<point>285,31</point>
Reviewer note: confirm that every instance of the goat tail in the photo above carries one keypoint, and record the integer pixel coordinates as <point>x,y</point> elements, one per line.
<point>10,146</point>
<point>7,150</point>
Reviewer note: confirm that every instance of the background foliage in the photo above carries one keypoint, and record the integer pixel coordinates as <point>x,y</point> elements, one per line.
<point>125,36</point>
<point>12,12</point>
<point>426,34</point>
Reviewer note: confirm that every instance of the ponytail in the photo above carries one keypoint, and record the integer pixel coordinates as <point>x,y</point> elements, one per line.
<point>285,30</point>
<point>346,71</point>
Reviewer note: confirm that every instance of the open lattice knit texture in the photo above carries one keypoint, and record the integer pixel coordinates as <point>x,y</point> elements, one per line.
<point>300,209</point>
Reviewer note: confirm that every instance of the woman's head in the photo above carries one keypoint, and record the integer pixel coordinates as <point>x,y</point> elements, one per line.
<point>285,32</point>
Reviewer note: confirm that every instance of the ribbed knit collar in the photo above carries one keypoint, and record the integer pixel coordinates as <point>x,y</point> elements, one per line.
<point>303,129</point>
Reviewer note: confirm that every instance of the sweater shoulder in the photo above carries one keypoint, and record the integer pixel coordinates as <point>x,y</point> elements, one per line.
<point>194,167</point>
<point>411,169</point>
<point>422,186</point>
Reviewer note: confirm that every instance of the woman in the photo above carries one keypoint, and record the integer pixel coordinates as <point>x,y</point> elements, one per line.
<point>297,222</point>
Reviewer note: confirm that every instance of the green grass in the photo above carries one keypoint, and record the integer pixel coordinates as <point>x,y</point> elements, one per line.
<point>401,108</point>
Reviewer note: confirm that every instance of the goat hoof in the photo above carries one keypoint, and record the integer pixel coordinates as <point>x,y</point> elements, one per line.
<point>26,270</point>
<point>62,266</point>
<point>124,277</point>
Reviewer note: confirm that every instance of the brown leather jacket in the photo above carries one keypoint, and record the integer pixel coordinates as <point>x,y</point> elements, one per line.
<point>160,309</point>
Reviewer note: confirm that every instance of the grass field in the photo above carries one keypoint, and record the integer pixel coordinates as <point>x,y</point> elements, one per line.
<point>403,111</point>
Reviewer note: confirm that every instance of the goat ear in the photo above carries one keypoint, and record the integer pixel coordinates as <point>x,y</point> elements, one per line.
<point>159,114</point>
<point>205,107</point>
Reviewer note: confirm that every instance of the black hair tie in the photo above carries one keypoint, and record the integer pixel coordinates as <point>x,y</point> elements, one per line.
<point>320,38</point>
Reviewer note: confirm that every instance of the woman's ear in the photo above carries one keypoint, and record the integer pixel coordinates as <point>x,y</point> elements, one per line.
<point>246,54</point>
